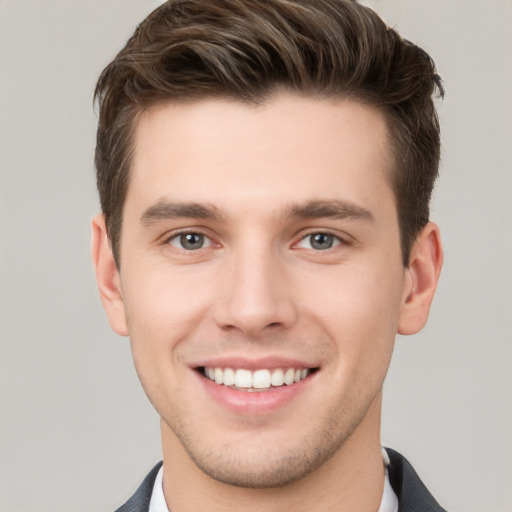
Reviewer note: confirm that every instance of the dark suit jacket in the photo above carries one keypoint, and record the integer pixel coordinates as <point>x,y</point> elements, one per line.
<point>413,496</point>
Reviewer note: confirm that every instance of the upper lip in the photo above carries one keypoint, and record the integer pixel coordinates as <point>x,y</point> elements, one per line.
<point>267,362</point>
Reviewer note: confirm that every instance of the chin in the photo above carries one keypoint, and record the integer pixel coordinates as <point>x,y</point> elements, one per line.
<point>262,471</point>
<point>259,466</point>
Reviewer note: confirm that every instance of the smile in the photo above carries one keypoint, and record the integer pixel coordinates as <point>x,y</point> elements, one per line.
<point>259,380</point>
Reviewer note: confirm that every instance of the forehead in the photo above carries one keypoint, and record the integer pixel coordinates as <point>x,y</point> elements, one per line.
<point>286,149</point>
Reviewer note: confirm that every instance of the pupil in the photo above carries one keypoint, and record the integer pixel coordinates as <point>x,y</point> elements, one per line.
<point>192,241</point>
<point>321,241</point>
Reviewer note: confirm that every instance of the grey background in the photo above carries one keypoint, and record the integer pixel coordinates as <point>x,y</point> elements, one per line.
<point>76,431</point>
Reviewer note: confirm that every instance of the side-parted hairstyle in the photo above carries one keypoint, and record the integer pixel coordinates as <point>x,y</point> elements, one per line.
<point>245,50</point>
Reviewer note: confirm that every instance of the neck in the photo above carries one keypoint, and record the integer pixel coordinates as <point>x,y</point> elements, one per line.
<point>350,481</point>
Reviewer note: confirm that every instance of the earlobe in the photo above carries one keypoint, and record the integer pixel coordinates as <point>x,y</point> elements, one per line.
<point>107,276</point>
<point>422,276</point>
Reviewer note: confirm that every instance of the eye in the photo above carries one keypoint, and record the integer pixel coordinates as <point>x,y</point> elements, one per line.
<point>319,241</point>
<point>190,241</point>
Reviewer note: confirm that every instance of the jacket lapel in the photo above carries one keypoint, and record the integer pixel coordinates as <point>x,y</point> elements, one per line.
<point>412,494</point>
<point>139,502</point>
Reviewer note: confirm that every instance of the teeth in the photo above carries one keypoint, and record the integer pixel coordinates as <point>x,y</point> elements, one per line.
<point>260,379</point>
<point>277,378</point>
<point>229,377</point>
<point>243,378</point>
<point>289,376</point>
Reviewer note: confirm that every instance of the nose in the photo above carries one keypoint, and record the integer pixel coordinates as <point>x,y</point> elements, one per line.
<point>256,295</point>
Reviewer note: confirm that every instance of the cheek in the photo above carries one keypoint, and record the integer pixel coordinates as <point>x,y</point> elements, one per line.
<point>162,310</point>
<point>161,301</point>
<point>359,309</point>
<point>159,317</point>
<point>358,296</point>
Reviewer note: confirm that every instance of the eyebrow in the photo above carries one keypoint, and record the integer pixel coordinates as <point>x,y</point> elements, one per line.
<point>334,209</point>
<point>165,210</point>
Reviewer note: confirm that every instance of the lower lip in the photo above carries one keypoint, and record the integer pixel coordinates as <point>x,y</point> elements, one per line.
<point>254,402</point>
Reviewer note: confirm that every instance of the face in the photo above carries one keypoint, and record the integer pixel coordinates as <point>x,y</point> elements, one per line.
<point>261,281</point>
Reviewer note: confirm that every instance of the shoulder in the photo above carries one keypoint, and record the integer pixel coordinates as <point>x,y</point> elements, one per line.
<point>412,494</point>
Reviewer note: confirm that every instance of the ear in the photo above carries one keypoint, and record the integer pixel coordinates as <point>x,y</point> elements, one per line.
<point>422,275</point>
<point>107,276</point>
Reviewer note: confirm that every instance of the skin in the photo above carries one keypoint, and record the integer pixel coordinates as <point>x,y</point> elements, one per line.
<point>263,179</point>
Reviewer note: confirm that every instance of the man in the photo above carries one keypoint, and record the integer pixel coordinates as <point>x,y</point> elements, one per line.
<point>265,169</point>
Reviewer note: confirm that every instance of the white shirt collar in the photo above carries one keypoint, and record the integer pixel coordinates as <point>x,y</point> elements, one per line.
<point>389,501</point>
<point>157,503</point>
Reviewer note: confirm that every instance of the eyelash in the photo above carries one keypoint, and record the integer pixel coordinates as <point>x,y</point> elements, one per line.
<point>179,237</point>
<point>337,240</point>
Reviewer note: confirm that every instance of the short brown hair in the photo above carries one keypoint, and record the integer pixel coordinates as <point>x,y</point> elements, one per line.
<point>245,49</point>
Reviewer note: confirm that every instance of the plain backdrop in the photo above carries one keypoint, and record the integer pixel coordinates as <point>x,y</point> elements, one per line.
<point>76,432</point>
